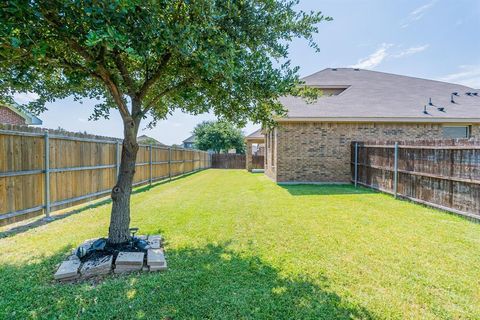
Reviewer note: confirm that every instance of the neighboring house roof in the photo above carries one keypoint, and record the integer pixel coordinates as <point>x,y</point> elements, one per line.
<point>30,119</point>
<point>256,135</point>
<point>149,140</point>
<point>378,96</point>
<point>190,139</point>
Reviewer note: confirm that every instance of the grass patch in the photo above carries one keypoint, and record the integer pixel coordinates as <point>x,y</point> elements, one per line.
<point>240,246</point>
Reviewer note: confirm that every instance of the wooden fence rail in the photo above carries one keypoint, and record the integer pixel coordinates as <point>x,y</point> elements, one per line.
<point>442,174</point>
<point>41,171</point>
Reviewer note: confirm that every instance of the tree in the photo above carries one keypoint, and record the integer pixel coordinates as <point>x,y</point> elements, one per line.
<point>147,58</point>
<point>219,136</point>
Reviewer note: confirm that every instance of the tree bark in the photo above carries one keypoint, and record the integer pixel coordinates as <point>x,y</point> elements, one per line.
<point>118,232</point>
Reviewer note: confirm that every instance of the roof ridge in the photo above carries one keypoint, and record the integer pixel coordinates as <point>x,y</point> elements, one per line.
<point>387,73</point>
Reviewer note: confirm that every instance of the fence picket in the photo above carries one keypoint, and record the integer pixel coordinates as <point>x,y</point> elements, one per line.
<point>444,173</point>
<point>44,171</point>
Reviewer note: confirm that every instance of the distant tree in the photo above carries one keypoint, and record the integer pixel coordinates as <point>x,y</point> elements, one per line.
<point>150,58</point>
<point>219,136</point>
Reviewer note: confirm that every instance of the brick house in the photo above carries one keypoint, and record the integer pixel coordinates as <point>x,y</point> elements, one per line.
<point>312,143</point>
<point>10,114</point>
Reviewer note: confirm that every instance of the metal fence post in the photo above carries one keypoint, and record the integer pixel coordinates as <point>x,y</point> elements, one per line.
<point>47,175</point>
<point>151,166</point>
<point>117,157</point>
<point>395,173</point>
<point>356,164</point>
<point>170,163</point>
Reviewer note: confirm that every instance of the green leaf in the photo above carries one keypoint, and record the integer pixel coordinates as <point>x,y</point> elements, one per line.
<point>15,42</point>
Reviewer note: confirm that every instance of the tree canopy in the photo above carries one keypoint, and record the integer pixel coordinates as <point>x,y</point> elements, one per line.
<point>219,136</point>
<point>150,57</point>
<point>226,56</point>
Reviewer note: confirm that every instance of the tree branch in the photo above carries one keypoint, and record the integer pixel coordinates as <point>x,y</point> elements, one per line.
<point>102,71</point>
<point>155,76</point>
<point>164,92</point>
<point>124,72</point>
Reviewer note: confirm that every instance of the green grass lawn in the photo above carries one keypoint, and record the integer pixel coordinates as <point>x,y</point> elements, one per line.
<point>240,246</point>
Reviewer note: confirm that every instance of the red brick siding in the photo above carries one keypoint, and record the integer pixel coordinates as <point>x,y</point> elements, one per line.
<point>10,117</point>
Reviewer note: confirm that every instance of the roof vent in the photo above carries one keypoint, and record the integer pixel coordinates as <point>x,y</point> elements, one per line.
<point>441,109</point>
<point>430,102</point>
<point>468,93</point>
<point>475,94</point>
<point>356,69</point>
<point>451,98</point>
<point>455,93</point>
<point>425,109</point>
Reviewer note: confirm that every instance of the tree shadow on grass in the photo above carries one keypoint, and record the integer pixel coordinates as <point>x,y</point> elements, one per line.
<point>204,283</point>
<point>324,189</point>
<point>97,203</point>
<point>55,217</point>
<point>166,180</point>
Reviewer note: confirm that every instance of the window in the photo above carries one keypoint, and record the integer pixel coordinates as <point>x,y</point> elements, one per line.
<point>456,132</point>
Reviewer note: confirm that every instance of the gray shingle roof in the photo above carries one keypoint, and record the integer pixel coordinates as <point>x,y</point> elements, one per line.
<point>149,140</point>
<point>256,135</point>
<point>189,139</point>
<point>379,96</point>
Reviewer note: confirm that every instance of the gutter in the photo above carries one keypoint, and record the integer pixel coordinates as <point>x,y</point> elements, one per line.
<point>379,119</point>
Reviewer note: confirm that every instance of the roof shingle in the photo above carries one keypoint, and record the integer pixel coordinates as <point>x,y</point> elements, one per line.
<point>385,97</point>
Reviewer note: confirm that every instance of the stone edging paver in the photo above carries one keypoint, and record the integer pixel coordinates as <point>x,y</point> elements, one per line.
<point>152,260</point>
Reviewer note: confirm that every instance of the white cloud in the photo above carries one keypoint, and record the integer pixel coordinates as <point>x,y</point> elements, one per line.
<point>411,50</point>
<point>383,53</point>
<point>374,59</point>
<point>468,75</point>
<point>418,13</point>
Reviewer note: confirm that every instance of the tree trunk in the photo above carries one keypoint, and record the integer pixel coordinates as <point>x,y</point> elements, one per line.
<point>118,232</point>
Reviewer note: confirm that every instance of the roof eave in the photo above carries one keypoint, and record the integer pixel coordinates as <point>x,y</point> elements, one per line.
<point>380,119</point>
<point>34,121</point>
<point>255,139</point>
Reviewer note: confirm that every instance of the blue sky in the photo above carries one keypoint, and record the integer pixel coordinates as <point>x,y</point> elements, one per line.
<point>435,39</point>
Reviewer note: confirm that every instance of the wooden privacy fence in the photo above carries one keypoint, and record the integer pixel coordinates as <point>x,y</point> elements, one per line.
<point>258,162</point>
<point>228,161</point>
<point>41,172</point>
<point>444,174</point>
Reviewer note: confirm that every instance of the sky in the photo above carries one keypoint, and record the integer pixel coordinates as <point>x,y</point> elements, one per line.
<point>433,39</point>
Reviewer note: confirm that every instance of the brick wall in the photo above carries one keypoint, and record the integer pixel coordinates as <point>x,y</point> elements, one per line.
<point>248,159</point>
<point>271,154</point>
<point>320,152</point>
<point>9,117</point>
